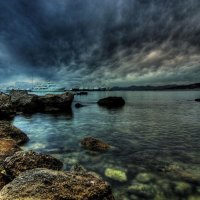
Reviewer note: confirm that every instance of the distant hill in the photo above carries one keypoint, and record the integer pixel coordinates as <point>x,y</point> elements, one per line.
<point>152,88</point>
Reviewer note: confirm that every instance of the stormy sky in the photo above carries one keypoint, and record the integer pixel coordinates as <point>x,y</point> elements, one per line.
<point>100,42</point>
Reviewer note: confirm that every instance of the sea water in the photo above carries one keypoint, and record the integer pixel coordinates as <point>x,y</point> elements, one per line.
<point>155,141</point>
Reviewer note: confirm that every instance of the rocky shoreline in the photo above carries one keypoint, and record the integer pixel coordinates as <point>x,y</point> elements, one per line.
<point>30,175</point>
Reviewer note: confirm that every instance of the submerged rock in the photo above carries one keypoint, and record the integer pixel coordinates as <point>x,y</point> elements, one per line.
<point>44,184</point>
<point>82,93</point>
<point>116,174</point>
<point>79,105</point>
<point>145,177</point>
<point>112,102</point>
<point>94,144</point>
<point>7,110</point>
<point>142,190</point>
<point>7,130</point>
<point>197,197</point>
<point>22,161</point>
<point>182,188</point>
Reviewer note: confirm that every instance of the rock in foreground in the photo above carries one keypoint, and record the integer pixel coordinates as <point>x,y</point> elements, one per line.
<point>45,184</point>
<point>7,147</point>
<point>112,102</point>
<point>22,161</point>
<point>94,144</point>
<point>8,131</point>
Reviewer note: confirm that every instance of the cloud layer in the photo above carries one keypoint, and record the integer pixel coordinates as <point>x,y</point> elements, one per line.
<point>112,42</point>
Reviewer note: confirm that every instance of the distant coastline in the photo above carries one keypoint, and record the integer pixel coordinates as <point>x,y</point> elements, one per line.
<point>157,88</point>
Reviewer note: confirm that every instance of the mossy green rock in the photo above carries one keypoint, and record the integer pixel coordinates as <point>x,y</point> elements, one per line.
<point>145,177</point>
<point>116,174</point>
<point>142,190</point>
<point>194,197</point>
<point>182,188</point>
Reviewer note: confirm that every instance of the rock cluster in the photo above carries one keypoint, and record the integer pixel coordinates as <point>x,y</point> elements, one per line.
<point>21,101</point>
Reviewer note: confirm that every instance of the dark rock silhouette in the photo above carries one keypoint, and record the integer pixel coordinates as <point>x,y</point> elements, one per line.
<point>7,110</point>
<point>79,105</point>
<point>198,100</point>
<point>112,102</point>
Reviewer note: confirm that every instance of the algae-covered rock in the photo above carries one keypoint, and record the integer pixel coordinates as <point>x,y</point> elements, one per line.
<point>45,184</point>
<point>116,174</point>
<point>145,177</point>
<point>182,188</point>
<point>142,190</point>
<point>194,197</point>
<point>22,161</point>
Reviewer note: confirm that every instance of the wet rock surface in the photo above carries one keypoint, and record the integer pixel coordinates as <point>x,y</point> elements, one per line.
<point>111,102</point>
<point>24,102</point>
<point>7,148</point>
<point>7,110</point>
<point>55,103</point>
<point>94,144</point>
<point>22,161</point>
<point>42,184</point>
<point>8,131</point>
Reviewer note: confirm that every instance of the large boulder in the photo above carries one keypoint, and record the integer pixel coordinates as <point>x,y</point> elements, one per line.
<point>112,102</point>
<point>24,102</point>
<point>7,110</point>
<point>45,184</point>
<point>55,103</point>
<point>94,144</point>
<point>22,161</point>
<point>7,130</point>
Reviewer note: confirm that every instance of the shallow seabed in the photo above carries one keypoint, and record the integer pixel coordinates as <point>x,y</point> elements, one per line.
<point>155,142</point>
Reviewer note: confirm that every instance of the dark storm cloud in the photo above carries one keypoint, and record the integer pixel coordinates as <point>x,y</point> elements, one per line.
<point>111,41</point>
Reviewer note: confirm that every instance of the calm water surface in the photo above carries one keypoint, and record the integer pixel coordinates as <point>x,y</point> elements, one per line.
<point>155,132</point>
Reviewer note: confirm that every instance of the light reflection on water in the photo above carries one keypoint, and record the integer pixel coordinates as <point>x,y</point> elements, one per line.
<point>153,130</point>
